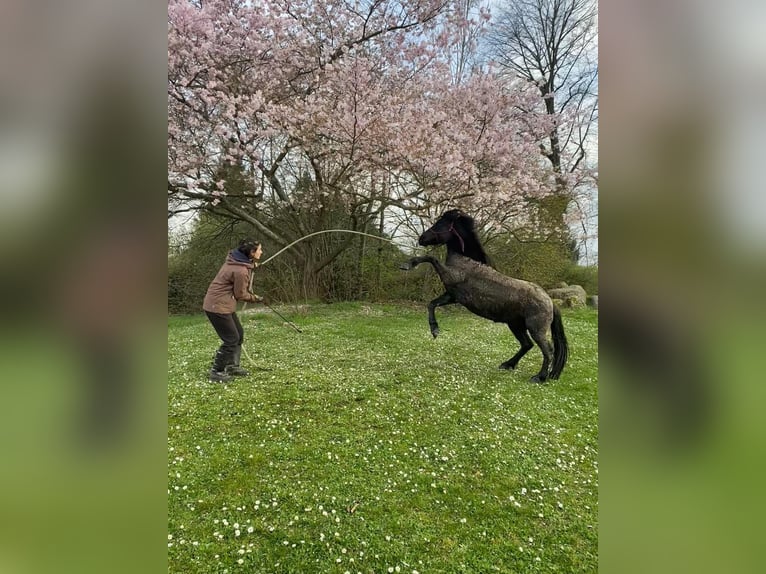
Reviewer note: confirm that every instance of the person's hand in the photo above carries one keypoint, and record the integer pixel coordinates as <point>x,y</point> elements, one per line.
<point>259,299</point>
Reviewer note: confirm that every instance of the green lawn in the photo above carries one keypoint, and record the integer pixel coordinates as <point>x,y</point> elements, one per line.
<point>364,445</point>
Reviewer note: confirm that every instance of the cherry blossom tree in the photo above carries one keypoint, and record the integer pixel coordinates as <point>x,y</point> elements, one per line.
<point>281,112</point>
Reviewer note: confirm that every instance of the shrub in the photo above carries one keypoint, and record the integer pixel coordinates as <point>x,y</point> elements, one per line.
<point>586,277</point>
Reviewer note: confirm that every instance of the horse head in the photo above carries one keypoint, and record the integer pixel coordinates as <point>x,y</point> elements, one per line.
<point>452,223</point>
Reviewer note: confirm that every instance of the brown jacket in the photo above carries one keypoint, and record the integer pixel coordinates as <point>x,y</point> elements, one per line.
<point>229,286</point>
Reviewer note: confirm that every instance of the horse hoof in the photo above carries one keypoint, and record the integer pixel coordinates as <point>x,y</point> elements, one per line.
<point>537,379</point>
<point>506,367</point>
<point>405,266</point>
<point>435,332</point>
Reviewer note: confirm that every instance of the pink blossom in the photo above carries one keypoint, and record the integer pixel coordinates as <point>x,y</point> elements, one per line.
<point>245,79</point>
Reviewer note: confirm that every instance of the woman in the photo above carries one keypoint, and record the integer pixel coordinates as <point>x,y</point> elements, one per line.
<point>229,286</point>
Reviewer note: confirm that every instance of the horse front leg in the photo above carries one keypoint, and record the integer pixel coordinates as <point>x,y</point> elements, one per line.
<point>444,299</point>
<point>414,262</point>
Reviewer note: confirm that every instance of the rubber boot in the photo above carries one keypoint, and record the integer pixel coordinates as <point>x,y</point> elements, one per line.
<point>218,370</point>
<point>234,369</point>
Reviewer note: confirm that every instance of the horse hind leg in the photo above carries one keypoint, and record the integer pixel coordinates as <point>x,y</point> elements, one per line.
<point>540,337</point>
<point>520,332</point>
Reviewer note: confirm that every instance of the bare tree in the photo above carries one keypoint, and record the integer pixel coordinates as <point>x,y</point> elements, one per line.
<point>553,44</point>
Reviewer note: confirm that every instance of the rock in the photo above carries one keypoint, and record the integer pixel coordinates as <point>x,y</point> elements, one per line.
<point>593,301</point>
<point>573,302</point>
<point>575,292</point>
<point>561,285</point>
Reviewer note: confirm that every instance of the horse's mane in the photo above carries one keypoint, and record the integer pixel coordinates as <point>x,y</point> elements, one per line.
<point>465,226</point>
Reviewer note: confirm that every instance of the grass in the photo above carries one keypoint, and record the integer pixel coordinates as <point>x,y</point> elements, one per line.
<point>363,445</point>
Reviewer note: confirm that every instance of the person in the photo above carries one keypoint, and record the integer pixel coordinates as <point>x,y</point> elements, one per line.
<point>229,286</point>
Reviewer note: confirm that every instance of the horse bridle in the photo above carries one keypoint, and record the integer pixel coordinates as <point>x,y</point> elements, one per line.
<point>450,231</point>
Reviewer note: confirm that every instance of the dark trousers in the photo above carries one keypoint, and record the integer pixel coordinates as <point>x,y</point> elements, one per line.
<point>232,335</point>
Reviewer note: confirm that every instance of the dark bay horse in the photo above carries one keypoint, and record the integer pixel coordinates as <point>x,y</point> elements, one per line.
<point>470,281</point>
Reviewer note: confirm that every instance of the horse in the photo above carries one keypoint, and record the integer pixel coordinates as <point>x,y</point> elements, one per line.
<point>472,282</point>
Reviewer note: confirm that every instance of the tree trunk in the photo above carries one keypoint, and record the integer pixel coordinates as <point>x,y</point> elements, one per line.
<point>378,287</point>
<point>360,263</point>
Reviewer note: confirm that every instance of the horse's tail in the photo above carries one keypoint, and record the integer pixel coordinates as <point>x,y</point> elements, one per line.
<point>560,346</point>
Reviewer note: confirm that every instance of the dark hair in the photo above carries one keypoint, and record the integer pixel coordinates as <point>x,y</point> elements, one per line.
<point>246,246</point>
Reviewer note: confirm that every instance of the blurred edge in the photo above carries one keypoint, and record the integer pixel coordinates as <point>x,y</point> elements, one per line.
<point>82,257</point>
<point>683,249</point>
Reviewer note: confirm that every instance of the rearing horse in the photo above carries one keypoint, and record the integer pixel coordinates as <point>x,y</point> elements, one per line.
<point>469,280</point>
